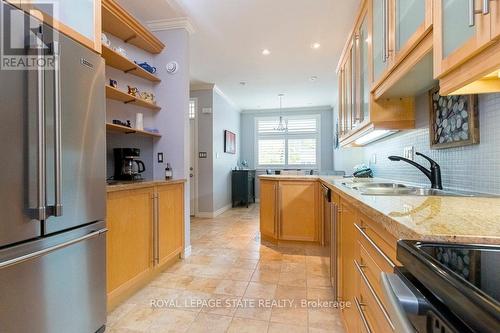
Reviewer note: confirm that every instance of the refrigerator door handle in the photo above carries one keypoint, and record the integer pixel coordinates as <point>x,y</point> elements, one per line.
<point>46,251</point>
<point>40,210</point>
<point>57,209</point>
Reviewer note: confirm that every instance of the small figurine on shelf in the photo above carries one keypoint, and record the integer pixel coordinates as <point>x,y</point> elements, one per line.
<point>126,123</point>
<point>168,172</point>
<point>133,91</point>
<point>148,97</point>
<point>113,83</point>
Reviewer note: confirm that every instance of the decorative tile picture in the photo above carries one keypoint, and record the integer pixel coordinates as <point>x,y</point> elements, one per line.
<point>454,120</point>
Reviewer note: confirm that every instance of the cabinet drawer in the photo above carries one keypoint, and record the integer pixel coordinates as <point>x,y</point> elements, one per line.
<point>372,271</point>
<point>379,244</point>
<point>373,309</point>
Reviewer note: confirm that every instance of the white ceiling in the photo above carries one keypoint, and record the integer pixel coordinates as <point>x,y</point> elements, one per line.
<point>231,34</point>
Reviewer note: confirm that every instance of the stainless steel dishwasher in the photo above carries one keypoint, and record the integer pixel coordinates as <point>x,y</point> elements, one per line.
<point>329,233</point>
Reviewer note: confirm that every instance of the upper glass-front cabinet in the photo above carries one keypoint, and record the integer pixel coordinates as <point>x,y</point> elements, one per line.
<point>364,82</point>
<point>380,34</point>
<point>460,31</point>
<point>79,19</point>
<point>409,17</point>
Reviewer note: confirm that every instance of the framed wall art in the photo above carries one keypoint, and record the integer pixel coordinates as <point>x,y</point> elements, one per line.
<point>229,142</point>
<point>454,120</point>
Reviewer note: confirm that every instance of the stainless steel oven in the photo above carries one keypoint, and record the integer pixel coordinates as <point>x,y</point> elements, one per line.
<point>444,288</point>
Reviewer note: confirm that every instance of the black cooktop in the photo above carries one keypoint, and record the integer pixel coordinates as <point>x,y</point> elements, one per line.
<point>479,266</point>
<point>465,278</point>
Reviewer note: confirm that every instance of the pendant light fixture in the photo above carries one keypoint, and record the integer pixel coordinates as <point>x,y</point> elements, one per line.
<point>281,126</point>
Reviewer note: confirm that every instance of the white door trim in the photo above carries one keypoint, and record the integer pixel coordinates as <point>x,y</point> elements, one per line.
<point>196,173</point>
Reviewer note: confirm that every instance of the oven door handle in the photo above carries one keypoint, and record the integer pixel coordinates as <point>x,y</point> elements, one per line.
<point>400,301</point>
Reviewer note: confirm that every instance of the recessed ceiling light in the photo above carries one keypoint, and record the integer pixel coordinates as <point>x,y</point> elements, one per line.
<point>313,78</point>
<point>315,45</point>
<point>266,52</point>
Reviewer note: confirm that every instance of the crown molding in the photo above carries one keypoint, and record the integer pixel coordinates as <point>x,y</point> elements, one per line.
<point>215,89</point>
<point>297,109</point>
<point>169,24</point>
<point>224,96</point>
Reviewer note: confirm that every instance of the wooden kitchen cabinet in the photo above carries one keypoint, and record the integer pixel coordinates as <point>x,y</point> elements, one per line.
<point>455,40</point>
<point>364,64</point>
<point>129,246</point>
<point>170,222</point>
<point>299,211</point>
<point>145,235</point>
<point>79,19</point>
<point>268,209</point>
<point>289,210</point>
<point>348,286</point>
<point>466,53</point>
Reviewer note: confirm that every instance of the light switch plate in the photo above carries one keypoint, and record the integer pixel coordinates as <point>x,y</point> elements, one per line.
<point>409,152</point>
<point>160,157</point>
<point>206,110</point>
<point>202,154</point>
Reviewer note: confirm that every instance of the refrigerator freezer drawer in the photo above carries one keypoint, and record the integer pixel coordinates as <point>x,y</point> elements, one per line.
<point>58,286</point>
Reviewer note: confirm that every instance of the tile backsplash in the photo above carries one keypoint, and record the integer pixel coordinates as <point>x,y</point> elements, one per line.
<point>472,168</point>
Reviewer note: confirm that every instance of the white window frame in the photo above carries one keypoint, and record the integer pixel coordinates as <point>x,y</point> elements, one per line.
<point>288,136</point>
<point>195,103</point>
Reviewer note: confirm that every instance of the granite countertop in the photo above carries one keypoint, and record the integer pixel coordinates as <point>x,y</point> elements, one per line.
<point>131,185</point>
<point>427,218</point>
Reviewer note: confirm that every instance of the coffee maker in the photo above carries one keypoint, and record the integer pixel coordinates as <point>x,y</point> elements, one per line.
<point>127,164</point>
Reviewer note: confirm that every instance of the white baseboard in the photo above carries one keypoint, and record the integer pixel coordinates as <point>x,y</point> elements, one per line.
<point>222,210</point>
<point>211,215</point>
<point>186,253</point>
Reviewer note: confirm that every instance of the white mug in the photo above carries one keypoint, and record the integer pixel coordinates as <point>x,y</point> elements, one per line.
<point>139,121</point>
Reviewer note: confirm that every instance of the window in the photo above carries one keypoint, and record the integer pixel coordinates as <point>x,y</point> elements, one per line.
<point>297,146</point>
<point>192,108</point>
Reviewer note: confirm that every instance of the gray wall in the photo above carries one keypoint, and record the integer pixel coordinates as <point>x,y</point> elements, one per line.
<point>214,172</point>
<point>226,117</point>
<point>326,141</point>
<point>172,94</point>
<point>473,168</point>
<point>117,140</point>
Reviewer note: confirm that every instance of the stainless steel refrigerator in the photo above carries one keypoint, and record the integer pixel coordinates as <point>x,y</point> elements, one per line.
<point>52,187</point>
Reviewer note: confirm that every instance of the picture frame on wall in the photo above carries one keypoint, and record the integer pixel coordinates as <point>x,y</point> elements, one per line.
<point>453,120</point>
<point>229,142</point>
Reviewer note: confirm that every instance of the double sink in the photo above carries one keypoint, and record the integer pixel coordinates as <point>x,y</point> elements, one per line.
<point>395,189</point>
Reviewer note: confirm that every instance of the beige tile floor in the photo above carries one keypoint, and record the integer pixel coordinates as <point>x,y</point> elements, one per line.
<point>229,284</point>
